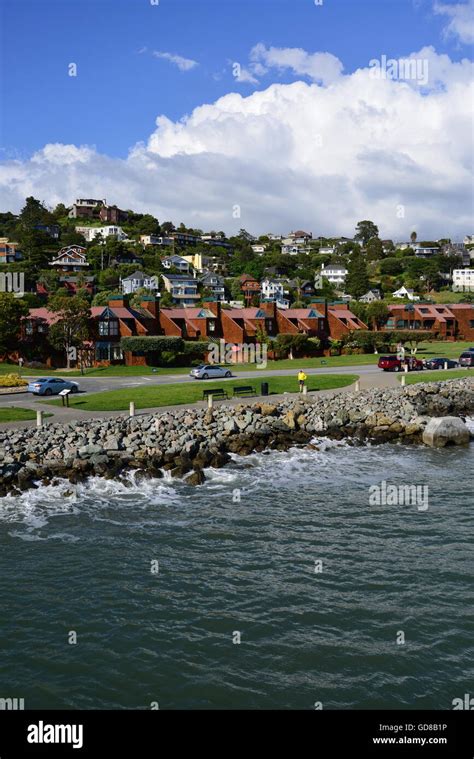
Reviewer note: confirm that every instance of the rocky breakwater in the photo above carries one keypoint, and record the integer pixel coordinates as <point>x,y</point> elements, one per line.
<point>187,441</point>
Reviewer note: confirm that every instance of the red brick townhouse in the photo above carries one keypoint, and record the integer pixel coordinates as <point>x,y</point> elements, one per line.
<point>108,325</point>
<point>235,325</point>
<point>340,321</point>
<point>453,322</point>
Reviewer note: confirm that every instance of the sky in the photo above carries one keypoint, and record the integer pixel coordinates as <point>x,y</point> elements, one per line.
<point>265,114</point>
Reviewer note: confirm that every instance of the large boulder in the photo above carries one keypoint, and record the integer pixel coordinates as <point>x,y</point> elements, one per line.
<point>447,430</point>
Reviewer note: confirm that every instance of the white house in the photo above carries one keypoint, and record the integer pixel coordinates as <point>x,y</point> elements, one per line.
<point>90,233</point>
<point>463,280</point>
<point>335,273</point>
<point>71,258</point>
<point>422,251</point>
<point>404,292</point>
<point>258,248</point>
<point>138,280</point>
<point>177,262</point>
<point>293,249</point>
<point>469,240</point>
<point>275,290</point>
<point>272,289</point>
<point>155,240</point>
<point>371,296</point>
<point>327,250</point>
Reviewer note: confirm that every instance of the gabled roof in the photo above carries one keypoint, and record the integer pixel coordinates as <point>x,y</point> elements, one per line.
<point>43,314</point>
<point>137,275</point>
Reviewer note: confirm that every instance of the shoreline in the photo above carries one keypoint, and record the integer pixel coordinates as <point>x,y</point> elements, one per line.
<point>187,441</point>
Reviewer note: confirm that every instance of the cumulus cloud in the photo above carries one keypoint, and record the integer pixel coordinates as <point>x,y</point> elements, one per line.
<point>184,64</point>
<point>319,67</point>
<point>297,155</point>
<point>461,24</point>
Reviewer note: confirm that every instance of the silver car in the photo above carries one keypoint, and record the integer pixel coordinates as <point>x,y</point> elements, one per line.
<point>209,371</point>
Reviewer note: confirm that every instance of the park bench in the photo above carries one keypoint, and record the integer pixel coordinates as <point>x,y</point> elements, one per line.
<point>217,393</point>
<point>244,390</point>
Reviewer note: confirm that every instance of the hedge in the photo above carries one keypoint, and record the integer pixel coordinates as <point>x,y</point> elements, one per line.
<point>152,344</point>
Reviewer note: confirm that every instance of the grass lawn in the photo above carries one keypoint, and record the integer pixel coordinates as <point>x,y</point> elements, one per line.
<point>13,414</point>
<point>187,393</point>
<point>437,376</point>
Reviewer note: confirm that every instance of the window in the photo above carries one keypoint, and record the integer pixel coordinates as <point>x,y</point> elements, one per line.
<point>109,328</point>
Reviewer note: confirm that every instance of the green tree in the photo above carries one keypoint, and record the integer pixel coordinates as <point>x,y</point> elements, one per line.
<point>365,230</point>
<point>34,212</point>
<point>12,311</point>
<point>374,249</point>
<point>72,326</point>
<point>147,225</point>
<point>391,266</point>
<point>377,314</point>
<point>357,280</point>
<point>166,300</point>
<point>102,298</point>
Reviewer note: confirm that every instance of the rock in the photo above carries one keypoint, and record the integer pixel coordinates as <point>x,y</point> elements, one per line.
<point>268,409</point>
<point>448,430</point>
<point>289,420</point>
<point>196,478</point>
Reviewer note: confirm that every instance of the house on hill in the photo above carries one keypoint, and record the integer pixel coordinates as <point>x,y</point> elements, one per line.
<point>71,258</point>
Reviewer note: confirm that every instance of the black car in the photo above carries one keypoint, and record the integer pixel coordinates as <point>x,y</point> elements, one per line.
<point>438,363</point>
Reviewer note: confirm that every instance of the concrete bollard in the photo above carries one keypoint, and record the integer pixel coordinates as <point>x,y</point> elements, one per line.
<point>210,401</point>
<point>305,389</point>
<point>405,368</point>
<point>404,380</point>
<point>132,408</point>
<point>357,386</point>
<point>39,418</point>
<point>445,365</point>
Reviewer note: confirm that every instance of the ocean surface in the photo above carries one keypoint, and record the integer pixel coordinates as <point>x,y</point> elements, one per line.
<point>124,595</point>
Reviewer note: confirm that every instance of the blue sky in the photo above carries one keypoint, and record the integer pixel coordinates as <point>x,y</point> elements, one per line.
<point>303,136</point>
<point>118,92</point>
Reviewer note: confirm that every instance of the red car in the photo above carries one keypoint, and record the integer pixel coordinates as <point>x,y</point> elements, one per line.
<point>395,364</point>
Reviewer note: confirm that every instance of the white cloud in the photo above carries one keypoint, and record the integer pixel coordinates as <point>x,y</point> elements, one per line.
<point>291,156</point>
<point>184,64</point>
<point>245,76</point>
<point>319,67</point>
<point>461,24</point>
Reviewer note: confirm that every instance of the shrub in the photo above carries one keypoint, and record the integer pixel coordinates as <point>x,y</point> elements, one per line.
<point>12,380</point>
<point>153,344</point>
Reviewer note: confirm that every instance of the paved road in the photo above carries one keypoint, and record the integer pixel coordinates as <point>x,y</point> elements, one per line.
<point>102,384</point>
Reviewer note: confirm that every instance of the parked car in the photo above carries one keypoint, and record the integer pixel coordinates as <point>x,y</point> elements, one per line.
<point>438,363</point>
<point>209,371</point>
<point>51,386</point>
<point>395,364</point>
<point>466,358</point>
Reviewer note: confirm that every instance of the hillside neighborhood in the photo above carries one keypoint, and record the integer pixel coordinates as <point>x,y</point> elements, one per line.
<point>98,283</point>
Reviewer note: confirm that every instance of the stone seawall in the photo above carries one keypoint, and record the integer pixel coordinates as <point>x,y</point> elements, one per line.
<point>187,441</point>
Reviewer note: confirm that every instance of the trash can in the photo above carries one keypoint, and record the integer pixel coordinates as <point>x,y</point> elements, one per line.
<point>264,388</point>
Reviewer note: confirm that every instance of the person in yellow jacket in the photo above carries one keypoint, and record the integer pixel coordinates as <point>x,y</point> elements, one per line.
<point>301,379</point>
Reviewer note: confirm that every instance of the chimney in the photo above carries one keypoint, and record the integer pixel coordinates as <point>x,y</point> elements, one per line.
<point>269,308</point>
<point>215,307</point>
<point>152,304</point>
<point>118,301</point>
